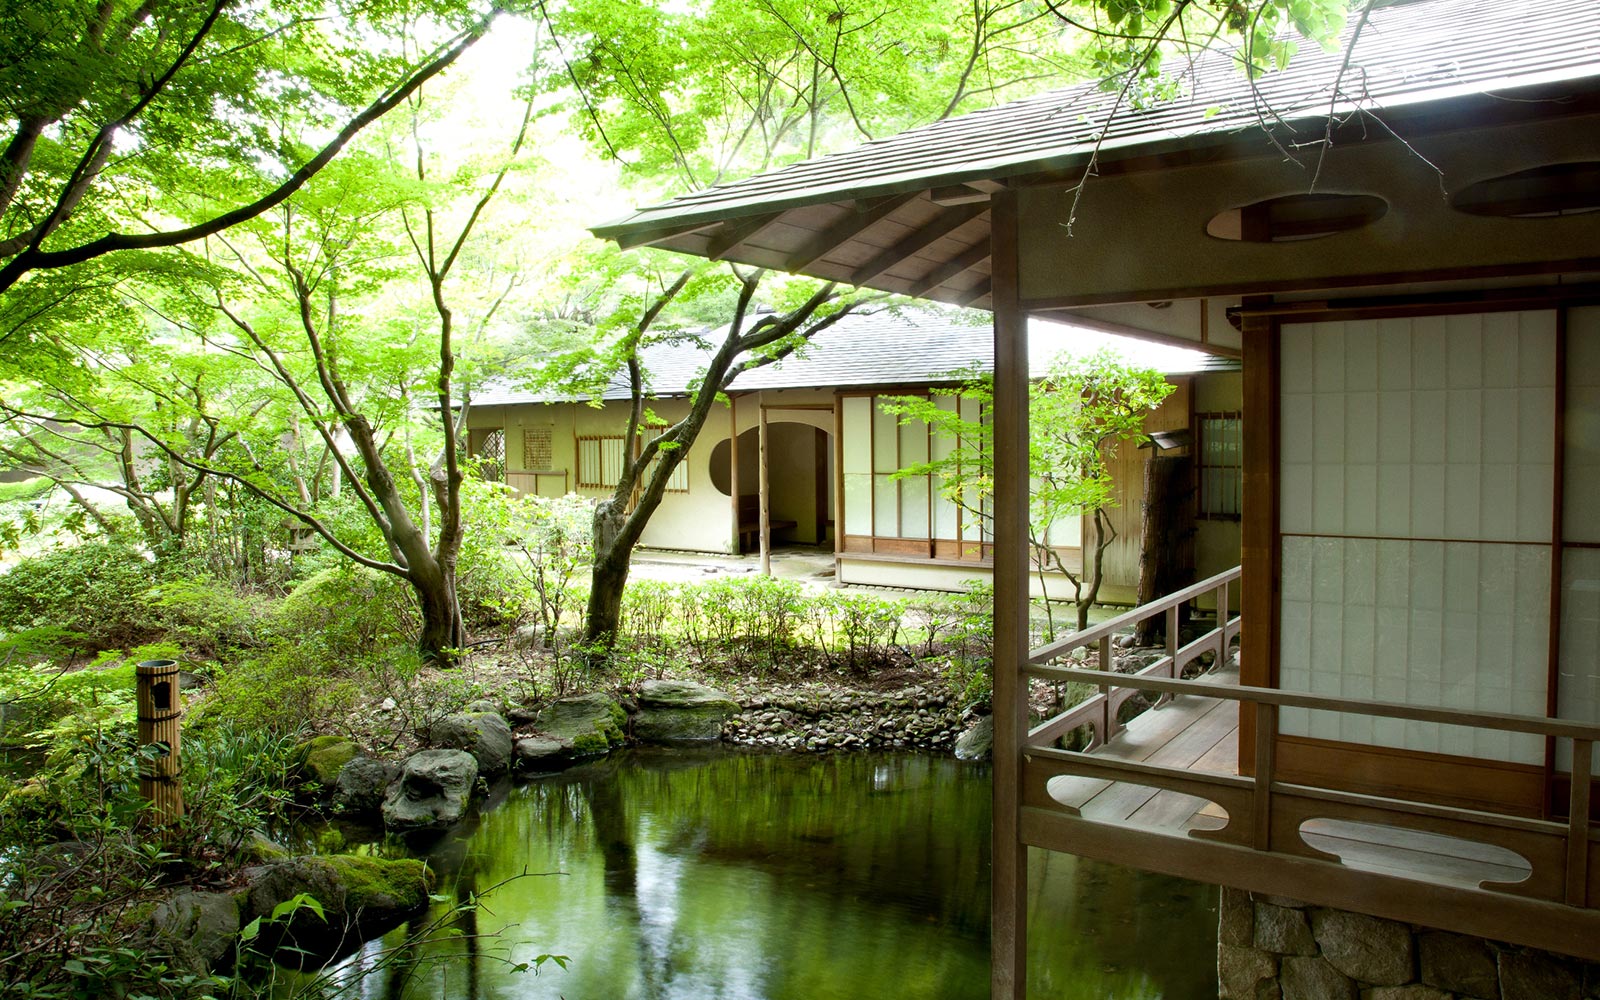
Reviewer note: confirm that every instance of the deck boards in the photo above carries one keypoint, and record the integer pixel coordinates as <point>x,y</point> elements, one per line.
<point>1202,734</point>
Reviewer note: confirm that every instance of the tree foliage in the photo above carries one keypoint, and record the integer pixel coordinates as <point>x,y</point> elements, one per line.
<point>1079,412</point>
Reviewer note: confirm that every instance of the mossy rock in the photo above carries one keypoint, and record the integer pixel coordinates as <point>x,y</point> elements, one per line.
<point>381,886</point>
<point>681,712</point>
<point>592,723</point>
<point>361,898</point>
<point>321,758</point>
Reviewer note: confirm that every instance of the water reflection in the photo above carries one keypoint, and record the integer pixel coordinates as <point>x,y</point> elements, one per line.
<point>719,875</point>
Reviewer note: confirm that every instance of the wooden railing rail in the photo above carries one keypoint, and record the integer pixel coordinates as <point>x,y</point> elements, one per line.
<point>1266,813</point>
<point>1099,712</point>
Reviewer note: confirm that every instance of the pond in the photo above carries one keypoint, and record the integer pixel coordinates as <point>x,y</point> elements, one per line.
<point>728,875</point>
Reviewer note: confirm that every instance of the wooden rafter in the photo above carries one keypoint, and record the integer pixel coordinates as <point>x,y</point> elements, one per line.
<point>953,268</point>
<point>735,232</point>
<point>946,223</point>
<point>845,230</point>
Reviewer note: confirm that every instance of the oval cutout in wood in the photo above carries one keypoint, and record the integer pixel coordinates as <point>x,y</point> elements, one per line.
<point>1545,192</point>
<point>1419,854</point>
<point>1297,217</point>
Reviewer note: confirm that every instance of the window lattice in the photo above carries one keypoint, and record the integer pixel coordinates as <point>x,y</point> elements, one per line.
<point>538,448</point>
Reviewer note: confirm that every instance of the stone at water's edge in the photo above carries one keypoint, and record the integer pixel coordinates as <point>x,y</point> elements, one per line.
<point>591,723</point>
<point>681,712</point>
<point>485,735</point>
<point>432,791</point>
<point>321,758</point>
<point>196,930</point>
<point>977,742</point>
<point>361,785</point>
<point>534,754</point>
<point>361,898</point>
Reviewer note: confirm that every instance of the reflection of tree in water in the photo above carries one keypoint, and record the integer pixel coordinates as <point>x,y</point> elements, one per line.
<point>723,875</point>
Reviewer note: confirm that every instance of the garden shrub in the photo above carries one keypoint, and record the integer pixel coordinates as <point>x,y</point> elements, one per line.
<point>281,689</point>
<point>347,614</point>
<point>207,617</point>
<point>95,590</point>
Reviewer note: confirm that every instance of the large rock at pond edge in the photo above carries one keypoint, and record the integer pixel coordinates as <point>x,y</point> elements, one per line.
<point>197,930</point>
<point>361,898</point>
<point>592,723</point>
<point>541,755</point>
<point>978,742</point>
<point>321,758</point>
<point>485,735</point>
<point>681,712</point>
<point>362,784</point>
<point>432,791</point>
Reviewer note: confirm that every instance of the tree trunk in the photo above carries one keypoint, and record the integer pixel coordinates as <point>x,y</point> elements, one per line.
<point>442,630</point>
<point>1094,572</point>
<point>613,549</point>
<point>1165,559</point>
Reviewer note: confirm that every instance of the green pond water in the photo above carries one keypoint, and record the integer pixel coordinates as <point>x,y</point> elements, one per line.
<point>727,875</point>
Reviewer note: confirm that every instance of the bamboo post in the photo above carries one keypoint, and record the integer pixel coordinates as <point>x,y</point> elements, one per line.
<point>159,707</point>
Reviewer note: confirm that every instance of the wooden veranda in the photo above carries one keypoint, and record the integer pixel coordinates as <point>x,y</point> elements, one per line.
<point>1163,792</point>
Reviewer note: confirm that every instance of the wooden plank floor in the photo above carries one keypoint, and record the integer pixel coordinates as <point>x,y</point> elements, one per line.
<point>1202,734</point>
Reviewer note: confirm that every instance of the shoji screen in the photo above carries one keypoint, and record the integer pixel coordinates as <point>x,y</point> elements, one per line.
<point>1418,470</point>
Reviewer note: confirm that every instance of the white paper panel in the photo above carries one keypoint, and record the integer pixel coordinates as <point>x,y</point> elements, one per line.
<point>857,503</point>
<point>914,507</point>
<point>1579,697</point>
<point>1582,503</point>
<point>857,434</point>
<point>1418,622</point>
<point>885,507</point>
<point>885,440</point>
<point>1439,427</point>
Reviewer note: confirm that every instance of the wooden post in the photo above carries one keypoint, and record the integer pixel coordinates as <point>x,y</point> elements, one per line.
<point>159,707</point>
<point>1008,969</point>
<point>1578,823</point>
<point>761,488</point>
<point>733,469</point>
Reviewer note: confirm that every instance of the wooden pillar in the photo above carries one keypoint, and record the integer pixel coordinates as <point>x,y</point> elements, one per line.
<point>838,484</point>
<point>1259,546</point>
<point>733,469</point>
<point>159,706</point>
<point>761,489</point>
<point>1009,888</point>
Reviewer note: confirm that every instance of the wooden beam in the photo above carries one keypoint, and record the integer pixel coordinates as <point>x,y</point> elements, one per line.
<point>845,230</point>
<point>948,222</point>
<point>951,195</point>
<point>955,267</point>
<point>734,233</point>
<point>650,237</point>
<point>1008,979</point>
<point>1495,915</point>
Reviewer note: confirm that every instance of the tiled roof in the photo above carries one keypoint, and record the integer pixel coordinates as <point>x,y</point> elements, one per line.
<point>864,349</point>
<point>1407,54</point>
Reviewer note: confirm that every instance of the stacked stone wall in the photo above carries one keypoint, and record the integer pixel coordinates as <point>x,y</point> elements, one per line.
<point>1271,948</point>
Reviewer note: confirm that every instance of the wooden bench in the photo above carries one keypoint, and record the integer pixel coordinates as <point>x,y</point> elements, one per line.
<point>750,523</point>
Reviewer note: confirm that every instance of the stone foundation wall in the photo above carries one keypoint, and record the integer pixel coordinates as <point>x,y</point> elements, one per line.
<point>1271,948</point>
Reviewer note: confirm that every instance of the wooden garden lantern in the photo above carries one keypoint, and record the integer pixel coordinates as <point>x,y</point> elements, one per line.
<point>159,709</point>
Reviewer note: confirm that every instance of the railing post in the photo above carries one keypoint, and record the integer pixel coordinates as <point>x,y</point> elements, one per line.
<point>1578,823</point>
<point>1222,624</point>
<point>1108,718</point>
<point>1261,810</point>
